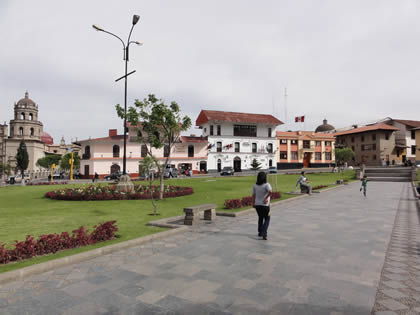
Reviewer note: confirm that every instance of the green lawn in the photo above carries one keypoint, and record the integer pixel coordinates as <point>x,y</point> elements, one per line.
<point>24,210</point>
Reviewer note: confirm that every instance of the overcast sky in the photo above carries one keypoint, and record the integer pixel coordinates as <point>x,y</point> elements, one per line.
<point>348,61</point>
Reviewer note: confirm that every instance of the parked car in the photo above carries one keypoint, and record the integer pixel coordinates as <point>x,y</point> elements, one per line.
<point>227,170</point>
<point>113,176</point>
<point>272,170</point>
<point>166,173</point>
<point>18,178</point>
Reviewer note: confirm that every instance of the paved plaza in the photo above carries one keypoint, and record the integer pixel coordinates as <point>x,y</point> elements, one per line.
<point>325,254</point>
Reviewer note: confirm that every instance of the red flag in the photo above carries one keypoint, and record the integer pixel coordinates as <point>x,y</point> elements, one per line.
<point>300,119</point>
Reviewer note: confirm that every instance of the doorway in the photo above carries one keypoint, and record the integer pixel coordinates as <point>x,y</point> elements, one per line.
<point>237,164</point>
<point>203,166</point>
<point>115,168</point>
<point>219,165</point>
<point>307,159</point>
<point>86,171</point>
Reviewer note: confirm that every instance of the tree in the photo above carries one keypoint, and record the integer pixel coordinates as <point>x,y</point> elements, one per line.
<point>343,155</point>
<point>161,126</point>
<point>65,161</point>
<point>48,160</point>
<point>5,168</point>
<point>22,159</point>
<point>255,165</point>
<point>148,165</point>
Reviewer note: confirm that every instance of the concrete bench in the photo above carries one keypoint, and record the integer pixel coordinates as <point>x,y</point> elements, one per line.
<point>304,189</point>
<point>192,214</point>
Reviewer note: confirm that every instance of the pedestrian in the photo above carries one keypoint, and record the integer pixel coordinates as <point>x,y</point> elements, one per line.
<point>363,187</point>
<point>190,172</point>
<point>95,178</point>
<point>303,182</point>
<point>261,193</point>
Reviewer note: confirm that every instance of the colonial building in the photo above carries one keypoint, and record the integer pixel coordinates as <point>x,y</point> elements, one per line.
<point>236,139</point>
<point>299,149</point>
<point>372,145</point>
<point>26,126</point>
<point>105,155</point>
<point>417,135</point>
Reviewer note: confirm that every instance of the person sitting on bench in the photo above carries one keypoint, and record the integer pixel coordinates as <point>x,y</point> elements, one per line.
<point>304,184</point>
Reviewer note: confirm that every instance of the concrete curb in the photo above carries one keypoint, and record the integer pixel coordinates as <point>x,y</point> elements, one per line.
<point>25,272</point>
<point>416,195</point>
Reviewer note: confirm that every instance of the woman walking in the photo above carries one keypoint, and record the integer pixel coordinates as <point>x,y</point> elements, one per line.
<point>261,193</point>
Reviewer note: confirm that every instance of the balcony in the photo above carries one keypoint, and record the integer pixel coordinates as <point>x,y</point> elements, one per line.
<point>308,148</point>
<point>85,156</point>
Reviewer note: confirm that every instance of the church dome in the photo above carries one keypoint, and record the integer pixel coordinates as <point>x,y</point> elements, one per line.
<point>324,127</point>
<point>46,138</point>
<point>26,101</point>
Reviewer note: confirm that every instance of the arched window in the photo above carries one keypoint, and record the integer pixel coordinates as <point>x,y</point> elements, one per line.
<point>139,134</point>
<point>190,150</point>
<point>270,163</point>
<point>87,152</point>
<point>22,116</point>
<point>32,132</point>
<point>156,135</point>
<point>116,151</point>
<point>31,116</point>
<point>21,131</point>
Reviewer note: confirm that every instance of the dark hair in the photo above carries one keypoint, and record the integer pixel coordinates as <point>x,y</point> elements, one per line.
<point>261,178</point>
<point>302,173</point>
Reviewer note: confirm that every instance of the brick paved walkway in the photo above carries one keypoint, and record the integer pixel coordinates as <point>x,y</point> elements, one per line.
<point>324,255</point>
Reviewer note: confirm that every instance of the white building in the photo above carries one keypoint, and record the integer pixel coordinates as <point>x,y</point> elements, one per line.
<point>235,139</point>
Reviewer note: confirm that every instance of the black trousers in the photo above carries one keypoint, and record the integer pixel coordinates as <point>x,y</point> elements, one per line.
<point>263,219</point>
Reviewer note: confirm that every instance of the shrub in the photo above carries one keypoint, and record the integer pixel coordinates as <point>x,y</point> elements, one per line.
<point>45,183</point>
<point>246,201</point>
<point>232,203</point>
<point>52,243</point>
<point>319,187</point>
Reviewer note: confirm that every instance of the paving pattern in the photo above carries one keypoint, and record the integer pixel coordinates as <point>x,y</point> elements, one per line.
<point>324,255</point>
<point>399,287</point>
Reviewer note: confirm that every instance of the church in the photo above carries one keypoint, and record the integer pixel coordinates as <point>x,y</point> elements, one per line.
<point>26,126</point>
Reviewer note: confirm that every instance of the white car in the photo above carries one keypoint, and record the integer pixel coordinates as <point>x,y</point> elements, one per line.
<point>18,178</point>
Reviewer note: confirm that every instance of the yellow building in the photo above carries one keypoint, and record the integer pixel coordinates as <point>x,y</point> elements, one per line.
<point>417,131</point>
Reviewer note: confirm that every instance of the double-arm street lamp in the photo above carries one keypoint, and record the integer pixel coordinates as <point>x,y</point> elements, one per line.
<point>126,47</point>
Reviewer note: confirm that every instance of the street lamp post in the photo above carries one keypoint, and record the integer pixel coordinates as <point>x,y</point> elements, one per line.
<point>126,47</point>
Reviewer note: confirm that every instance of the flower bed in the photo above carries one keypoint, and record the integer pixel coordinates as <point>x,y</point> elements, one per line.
<point>52,243</point>
<point>246,201</point>
<point>110,192</point>
<point>319,187</point>
<point>46,183</point>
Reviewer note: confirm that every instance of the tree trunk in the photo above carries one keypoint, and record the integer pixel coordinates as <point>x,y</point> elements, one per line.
<point>161,185</point>
<point>151,195</point>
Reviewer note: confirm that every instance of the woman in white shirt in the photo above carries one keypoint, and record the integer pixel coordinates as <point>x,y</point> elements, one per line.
<point>261,193</point>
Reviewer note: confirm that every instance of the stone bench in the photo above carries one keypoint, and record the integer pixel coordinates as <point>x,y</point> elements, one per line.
<point>192,214</point>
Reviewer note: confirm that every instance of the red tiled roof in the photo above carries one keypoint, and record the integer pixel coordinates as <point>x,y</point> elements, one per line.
<point>380,126</point>
<point>193,139</point>
<point>305,135</point>
<point>46,138</point>
<point>410,123</point>
<point>208,115</point>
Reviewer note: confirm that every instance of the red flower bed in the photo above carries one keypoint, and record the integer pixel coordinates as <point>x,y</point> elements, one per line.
<point>52,243</point>
<point>99,192</point>
<point>45,183</point>
<point>246,201</point>
<point>319,187</point>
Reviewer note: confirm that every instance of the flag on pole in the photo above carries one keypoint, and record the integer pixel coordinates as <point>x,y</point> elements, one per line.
<point>300,119</point>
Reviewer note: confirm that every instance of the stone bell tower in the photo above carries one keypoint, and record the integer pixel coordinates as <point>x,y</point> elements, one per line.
<point>25,125</point>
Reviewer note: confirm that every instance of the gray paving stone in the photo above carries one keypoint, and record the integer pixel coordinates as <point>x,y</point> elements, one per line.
<point>393,305</point>
<point>395,294</point>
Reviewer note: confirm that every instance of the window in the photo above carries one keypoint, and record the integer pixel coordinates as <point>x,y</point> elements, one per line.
<point>293,141</point>
<point>166,150</point>
<point>283,141</point>
<point>386,136</point>
<point>254,148</point>
<point>269,132</point>
<point>143,150</point>
<point>31,117</point>
<point>374,146</point>
<point>363,147</point>
<point>413,134</point>
<point>190,150</point>
<point>306,144</point>
<point>87,150</point>
<point>270,163</point>
<point>22,116</point>
<point>374,137</point>
<point>139,134</point>
<point>352,139</point>
<point>32,131</point>
<point>219,147</point>
<point>219,130</point>
<point>157,135</point>
<point>211,130</point>
<point>398,153</point>
<point>270,148</point>
<point>283,155</point>
<point>21,131</point>
<point>116,151</point>
<point>317,156</point>
<point>352,148</point>
<point>318,143</point>
<point>294,155</point>
<point>362,138</point>
<point>327,143</point>
<point>413,149</point>
<point>328,156</point>
<point>237,147</point>
<point>205,130</point>
<point>374,157</point>
<point>244,130</point>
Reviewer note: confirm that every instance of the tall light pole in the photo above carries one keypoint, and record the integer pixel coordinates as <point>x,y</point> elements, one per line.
<point>126,47</point>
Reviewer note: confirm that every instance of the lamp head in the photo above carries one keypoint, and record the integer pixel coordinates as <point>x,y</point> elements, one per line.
<point>96,27</point>
<point>135,19</point>
<point>138,43</point>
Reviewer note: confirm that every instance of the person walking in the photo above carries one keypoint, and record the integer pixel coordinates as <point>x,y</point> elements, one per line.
<point>303,182</point>
<point>261,193</point>
<point>95,178</point>
<point>363,187</point>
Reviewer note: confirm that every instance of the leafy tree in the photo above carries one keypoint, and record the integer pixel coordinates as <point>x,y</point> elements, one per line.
<point>344,155</point>
<point>255,165</point>
<point>5,168</point>
<point>22,159</point>
<point>65,161</point>
<point>48,160</point>
<point>148,165</point>
<point>161,126</point>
